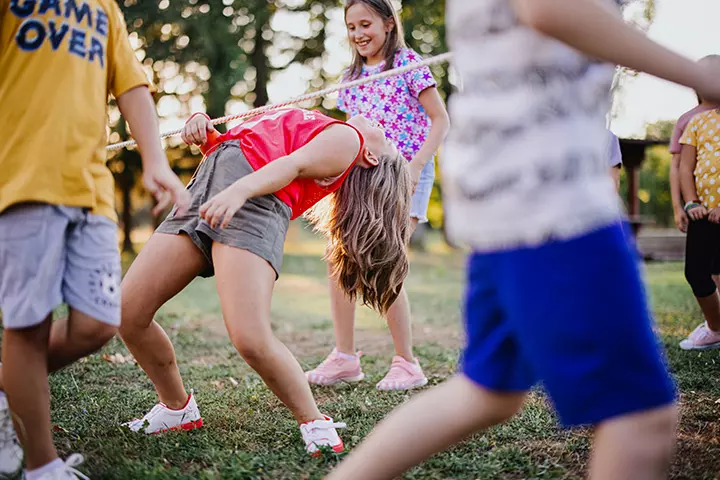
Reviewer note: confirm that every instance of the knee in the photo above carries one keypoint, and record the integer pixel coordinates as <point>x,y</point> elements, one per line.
<point>649,438</point>
<point>129,330</point>
<point>700,280</point>
<point>253,348</point>
<point>507,406</point>
<point>657,442</point>
<point>95,335</point>
<point>134,323</point>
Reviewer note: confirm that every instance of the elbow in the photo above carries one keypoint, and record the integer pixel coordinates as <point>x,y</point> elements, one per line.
<point>446,124</point>
<point>442,123</point>
<point>535,14</point>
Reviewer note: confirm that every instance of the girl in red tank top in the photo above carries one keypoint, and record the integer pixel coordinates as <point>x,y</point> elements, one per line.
<point>251,182</point>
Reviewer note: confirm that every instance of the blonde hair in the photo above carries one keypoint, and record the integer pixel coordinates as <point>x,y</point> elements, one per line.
<point>367,223</point>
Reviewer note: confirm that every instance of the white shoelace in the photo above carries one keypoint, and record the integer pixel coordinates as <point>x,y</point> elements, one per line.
<point>73,461</point>
<point>69,468</point>
<point>317,430</point>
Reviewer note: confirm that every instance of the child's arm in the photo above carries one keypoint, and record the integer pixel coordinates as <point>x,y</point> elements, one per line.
<point>435,108</point>
<point>597,29</point>
<point>688,159</point>
<point>329,154</point>
<point>138,108</point>
<point>615,175</point>
<point>681,219</point>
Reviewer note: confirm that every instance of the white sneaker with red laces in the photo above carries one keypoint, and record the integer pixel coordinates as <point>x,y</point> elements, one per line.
<point>164,419</point>
<point>322,433</point>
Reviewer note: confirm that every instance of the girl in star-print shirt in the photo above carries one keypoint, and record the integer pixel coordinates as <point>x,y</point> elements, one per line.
<point>409,108</point>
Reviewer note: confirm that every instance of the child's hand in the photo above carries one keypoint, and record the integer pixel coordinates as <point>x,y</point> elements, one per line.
<point>681,219</point>
<point>223,206</point>
<point>196,130</point>
<point>697,213</point>
<point>714,215</point>
<point>165,186</point>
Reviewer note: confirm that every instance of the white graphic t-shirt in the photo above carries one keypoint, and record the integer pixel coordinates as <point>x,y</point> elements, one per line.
<point>526,159</point>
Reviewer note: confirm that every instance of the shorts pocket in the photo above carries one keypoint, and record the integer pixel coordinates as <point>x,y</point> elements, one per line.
<point>254,217</point>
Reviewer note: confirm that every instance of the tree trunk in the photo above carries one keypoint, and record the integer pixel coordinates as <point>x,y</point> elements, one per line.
<point>259,59</point>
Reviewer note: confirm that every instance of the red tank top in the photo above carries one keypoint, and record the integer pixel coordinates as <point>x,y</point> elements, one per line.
<point>272,135</point>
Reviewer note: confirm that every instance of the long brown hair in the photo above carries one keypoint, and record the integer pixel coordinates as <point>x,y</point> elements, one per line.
<point>393,42</point>
<point>367,223</point>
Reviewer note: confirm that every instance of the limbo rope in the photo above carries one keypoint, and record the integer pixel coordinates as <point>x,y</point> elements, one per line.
<point>308,96</point>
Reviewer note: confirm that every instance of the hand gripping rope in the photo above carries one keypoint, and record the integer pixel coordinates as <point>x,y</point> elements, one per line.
<point>309,96</point>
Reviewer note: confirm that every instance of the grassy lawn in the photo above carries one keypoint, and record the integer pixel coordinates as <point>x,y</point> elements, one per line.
<point>249,434</point>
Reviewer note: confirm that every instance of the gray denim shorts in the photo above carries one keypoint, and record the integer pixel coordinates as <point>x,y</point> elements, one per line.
<point>52,254</point>
<point>260,226</point>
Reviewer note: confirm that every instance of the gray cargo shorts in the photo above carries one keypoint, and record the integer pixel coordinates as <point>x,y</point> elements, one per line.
<point>259,227</point>
<point>51,254</point>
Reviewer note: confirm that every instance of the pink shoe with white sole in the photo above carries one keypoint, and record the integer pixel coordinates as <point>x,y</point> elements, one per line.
<point>337,367</point>
<point>403,375</point>
<point>701,338</point>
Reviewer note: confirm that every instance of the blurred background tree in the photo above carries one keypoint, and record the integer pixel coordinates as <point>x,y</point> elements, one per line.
<point>227,56</point>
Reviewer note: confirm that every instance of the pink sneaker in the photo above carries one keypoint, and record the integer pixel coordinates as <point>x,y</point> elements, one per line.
<point>701,338</point>
<point>403,375</point>
<point>336,368</point>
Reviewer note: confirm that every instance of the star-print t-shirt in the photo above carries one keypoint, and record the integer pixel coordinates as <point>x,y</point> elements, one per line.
<point>703,133</point>
<point>393,102</point>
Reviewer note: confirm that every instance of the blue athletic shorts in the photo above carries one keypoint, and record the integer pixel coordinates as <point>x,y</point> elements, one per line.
<point>571,315</point>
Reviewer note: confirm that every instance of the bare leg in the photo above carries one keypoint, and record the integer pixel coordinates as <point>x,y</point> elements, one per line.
<point>429,423</point>
<point>245,284</point>
<point>342,310</point>
<point>716,279</point>
<point>399,321</point>
<point>73,338</point>
<point>398,318</point>
<point>25,362</point>
<point>164,267</point>
<point>710,307</point>
<point>638,446</point>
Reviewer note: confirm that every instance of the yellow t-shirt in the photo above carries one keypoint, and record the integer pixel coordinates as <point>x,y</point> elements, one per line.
<point>703,133</point>
<point>59,61</point>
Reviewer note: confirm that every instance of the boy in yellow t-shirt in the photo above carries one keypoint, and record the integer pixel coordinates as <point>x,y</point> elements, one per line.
<point>700,183</point>
<point>60,60</point>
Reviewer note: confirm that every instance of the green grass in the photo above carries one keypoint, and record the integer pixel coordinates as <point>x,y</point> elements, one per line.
<point>250,435</point>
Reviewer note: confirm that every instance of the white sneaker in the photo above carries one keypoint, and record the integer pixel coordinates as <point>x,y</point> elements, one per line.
<point>67,471</point>
<point>163,419</point>
<point>322,433</point>
<point>11,453</point>
<point>701,338</point>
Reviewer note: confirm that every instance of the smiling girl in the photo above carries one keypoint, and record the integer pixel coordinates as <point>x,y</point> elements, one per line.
<point>409,108</point>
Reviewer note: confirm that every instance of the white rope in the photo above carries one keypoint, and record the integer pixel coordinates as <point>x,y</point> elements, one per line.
<point>309,96</point>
